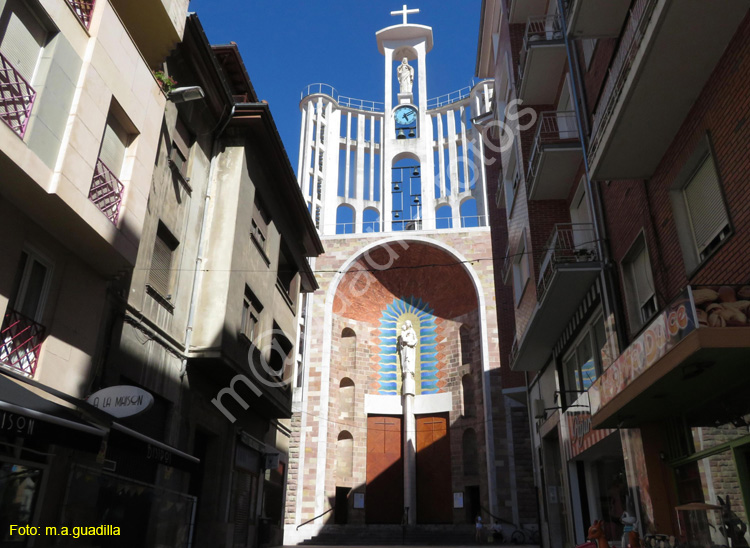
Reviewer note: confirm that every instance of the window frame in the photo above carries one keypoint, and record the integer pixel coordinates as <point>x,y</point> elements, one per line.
<point>252,308</point>
<point>520,259</point>
<point>259,227</point>
<point>694,259</point>
<point>588,331</point>
<point>165,235</point>
<point>634,302</point>
<point>22,286</point>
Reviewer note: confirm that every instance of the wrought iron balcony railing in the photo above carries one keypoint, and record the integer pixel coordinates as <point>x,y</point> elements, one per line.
<point>554,128</point>
<point>20,342</point>
<point>540,29</point>
<point>106,192</point>
<point>83,10</point>
<point>16,98</point>
<point>569,243</point>
<point>632,36</point>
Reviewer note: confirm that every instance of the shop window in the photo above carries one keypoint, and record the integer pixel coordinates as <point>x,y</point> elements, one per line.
<point>700,212</point>
<point>19,489</point>
<point>251,309</point>
<point>582,364</point>
<point>640,294</point>
<point>521,272</point>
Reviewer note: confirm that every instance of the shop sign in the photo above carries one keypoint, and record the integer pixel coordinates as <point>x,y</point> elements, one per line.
<point>578,434</point>
<point>10,423</point>
<point>671,326</point>
<point>157,454</point>
<point>121,401</point>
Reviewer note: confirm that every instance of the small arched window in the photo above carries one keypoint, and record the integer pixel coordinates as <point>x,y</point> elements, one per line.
<point>470,453</point>
<point>346,398</point>
<point>467,393</point>
<point>344,455</point>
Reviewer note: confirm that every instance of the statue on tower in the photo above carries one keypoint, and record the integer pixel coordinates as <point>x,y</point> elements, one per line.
<point>407,343</point>
<point>405,76</point>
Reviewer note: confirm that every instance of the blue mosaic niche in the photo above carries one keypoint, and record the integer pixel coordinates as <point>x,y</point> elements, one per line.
<point>427,379</point>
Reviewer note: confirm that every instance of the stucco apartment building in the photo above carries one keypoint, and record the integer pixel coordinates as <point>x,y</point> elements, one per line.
<point>154,243</point>
<point>623,190</point>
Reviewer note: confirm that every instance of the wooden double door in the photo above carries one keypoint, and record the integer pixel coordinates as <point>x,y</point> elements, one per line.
<point>384,499</point>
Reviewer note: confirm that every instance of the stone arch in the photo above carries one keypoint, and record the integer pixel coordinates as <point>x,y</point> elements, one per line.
<point>344,455</point>
<point>397,243</point>
<point>470,452</point>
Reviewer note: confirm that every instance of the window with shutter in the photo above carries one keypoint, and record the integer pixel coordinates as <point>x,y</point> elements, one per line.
<point>699,209</point>
<point>639,284</point>
<point>23,38</point>
<point>705,205</point>
<point>160,277</point>
<point>521,269</point>
<point>181,143</point>
<point>260,222</point>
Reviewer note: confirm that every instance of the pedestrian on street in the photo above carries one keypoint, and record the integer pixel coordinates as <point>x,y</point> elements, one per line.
<point>479,526</point>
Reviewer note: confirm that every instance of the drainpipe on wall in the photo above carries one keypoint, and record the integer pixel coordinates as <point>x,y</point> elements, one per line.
<point>609,296</point>
<point>202,245</point>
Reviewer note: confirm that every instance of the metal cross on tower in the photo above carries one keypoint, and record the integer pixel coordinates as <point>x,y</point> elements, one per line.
<point>405,12</point>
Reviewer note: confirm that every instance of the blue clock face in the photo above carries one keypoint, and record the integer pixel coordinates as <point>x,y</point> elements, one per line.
<point>405,116</point>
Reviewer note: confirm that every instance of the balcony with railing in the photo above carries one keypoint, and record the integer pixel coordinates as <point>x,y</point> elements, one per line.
<point>106,192</point>
<point>20,342</point>
<point>596,19</point>
<point>568,270</point>
<point>650,87</point>
<point>555,158</point>
<point>519,11</point>
<point>83,10</point>
<point>542,60</point>
<point>16,98</point>
<point>156,26</point>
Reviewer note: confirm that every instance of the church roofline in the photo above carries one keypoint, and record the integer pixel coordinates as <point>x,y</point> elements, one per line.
<point>401,33</point>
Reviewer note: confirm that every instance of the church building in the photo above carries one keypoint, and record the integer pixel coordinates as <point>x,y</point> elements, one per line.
<point>403,410</point>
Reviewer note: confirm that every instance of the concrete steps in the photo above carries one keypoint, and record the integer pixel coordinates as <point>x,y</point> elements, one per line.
<point>393,535</point>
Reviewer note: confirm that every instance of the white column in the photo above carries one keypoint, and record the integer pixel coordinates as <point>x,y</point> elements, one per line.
<point>465,150</point>
<point>371,185</point>
<point>360,173</point>
<point>410,456</point>
<point>441,156</point>
<point>453,152</point>
<point>301,155</point>
<point>347,170</point>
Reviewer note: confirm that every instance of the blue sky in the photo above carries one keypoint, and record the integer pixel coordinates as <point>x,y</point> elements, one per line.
<point>288,44</point>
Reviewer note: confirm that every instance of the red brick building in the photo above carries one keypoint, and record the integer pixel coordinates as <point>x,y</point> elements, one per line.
<point>623,184</point>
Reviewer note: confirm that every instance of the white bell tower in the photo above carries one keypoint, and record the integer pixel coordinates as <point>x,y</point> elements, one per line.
<point>407,163</point>
<point>407,43</point>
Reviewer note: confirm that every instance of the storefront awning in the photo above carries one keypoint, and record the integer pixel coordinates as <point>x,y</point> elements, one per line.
<point>27,414</point>
<point>147,448</point>
<point>705,380</point>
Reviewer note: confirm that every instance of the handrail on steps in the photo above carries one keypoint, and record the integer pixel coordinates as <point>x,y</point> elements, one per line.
<point>331,509</point>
